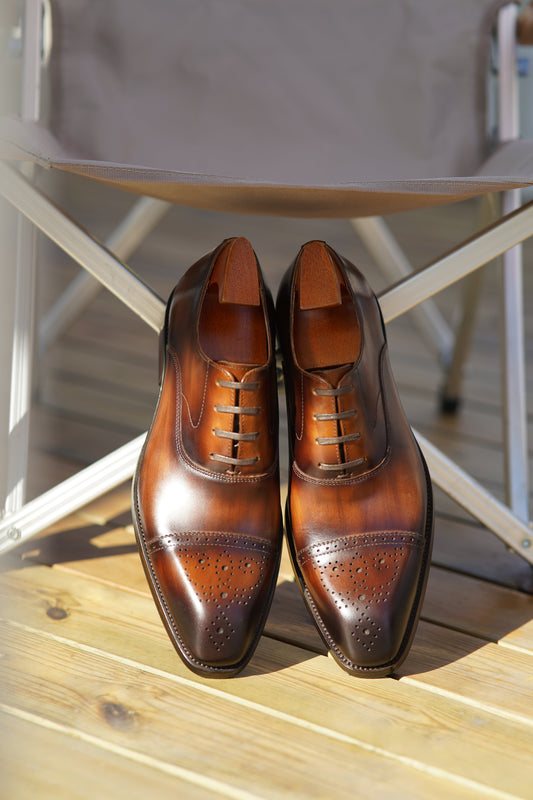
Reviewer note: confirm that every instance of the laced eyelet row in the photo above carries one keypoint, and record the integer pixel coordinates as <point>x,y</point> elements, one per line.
<point>337,416</point>
<point>235,435</point>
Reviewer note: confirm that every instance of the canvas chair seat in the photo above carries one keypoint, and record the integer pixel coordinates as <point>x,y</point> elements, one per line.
<point>285,108</point>
<point>510,167</point>
<point>355,108</point>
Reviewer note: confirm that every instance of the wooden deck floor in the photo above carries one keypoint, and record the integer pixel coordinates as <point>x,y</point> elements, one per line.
<point>94,701</point>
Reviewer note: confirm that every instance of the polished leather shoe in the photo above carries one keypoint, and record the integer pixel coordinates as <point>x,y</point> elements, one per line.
<point>206,504</point>
<point>359,512</point>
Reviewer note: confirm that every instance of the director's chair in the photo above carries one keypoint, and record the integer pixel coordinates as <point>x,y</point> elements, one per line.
<point>355,110</point>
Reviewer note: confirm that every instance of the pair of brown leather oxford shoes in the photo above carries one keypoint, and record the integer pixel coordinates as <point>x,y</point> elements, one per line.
<point>206,503</point>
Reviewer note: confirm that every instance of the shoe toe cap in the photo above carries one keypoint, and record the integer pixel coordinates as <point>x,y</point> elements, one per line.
<point>365,592</point>
<point>213,599</point>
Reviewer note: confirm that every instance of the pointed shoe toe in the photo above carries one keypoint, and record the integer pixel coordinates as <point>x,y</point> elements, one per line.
<point>206,506</point>
<point>362,591</point>
<point>211,591</point>
<point>359,512</point>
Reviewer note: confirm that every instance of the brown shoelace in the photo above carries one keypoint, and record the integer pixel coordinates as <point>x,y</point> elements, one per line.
<point>340,439</point>
<point>235,434</point>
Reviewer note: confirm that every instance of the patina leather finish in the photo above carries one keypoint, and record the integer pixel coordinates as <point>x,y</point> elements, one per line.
<point>206,492</point>
<point>359,514</point>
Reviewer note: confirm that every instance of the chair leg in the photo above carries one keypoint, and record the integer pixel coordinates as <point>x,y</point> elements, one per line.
<point>21,366</point>
<point>462,488</point>
<point>23,522</point>
<point>393,263</point>
<point>134,228</point>
<point>70,495</point>
<point>8,225</point>
<point>513,376</point>
<point>464,259</point>
<point>89,253</point>
<point>513,364</point>
<point>450,395</point>
<point>25,261</point>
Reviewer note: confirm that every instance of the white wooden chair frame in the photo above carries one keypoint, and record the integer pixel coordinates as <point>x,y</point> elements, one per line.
<point>21,520</point>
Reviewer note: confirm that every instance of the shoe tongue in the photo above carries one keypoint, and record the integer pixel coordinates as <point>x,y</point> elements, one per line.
<point>318,278</point>
<point>236,274</point>
<point>238,371</point>
<point>333,375</point>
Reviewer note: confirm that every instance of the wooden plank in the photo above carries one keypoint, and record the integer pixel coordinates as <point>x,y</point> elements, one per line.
<point>484,612</point>
<point>129,413</point>
<point>442,660</point>
<point>107,511</point>
<point>108,323</point>
<point>46,470</point>
<point>289,620</point>
<point>415,368</point>
<point>74,436</point>
<point>405,717</point>
<point>461,544</point>
<point>129,372</point>
<point>234,744</point>
<point>54,762</point>
<point>480,608</point>
<point>483,674</point>
<point>473,423</point>
<point>84,544</point>
<point>91,547</point>
<point>442,653</point>
<point>459,601</point>
<point>111,509</point>
<point>87,546</point>
<point>483,462</point>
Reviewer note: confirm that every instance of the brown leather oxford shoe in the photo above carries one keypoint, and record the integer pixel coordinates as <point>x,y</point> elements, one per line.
<point>359,514</point>
<point>206,502</point>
